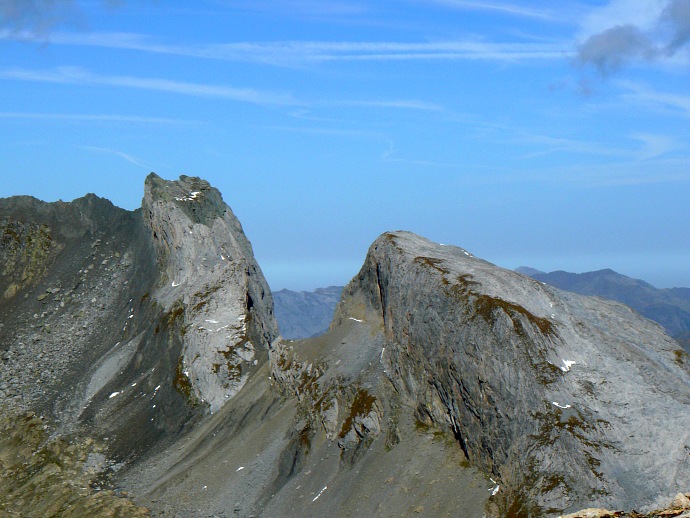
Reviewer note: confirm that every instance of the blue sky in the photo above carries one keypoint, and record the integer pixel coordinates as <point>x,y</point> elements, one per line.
<point>540,133</point>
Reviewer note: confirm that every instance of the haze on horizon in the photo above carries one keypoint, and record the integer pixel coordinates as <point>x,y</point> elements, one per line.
<point>530,133</point>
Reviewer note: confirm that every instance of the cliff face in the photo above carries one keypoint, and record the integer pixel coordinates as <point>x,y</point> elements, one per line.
<point>210,278</point>
<point>566,400</point>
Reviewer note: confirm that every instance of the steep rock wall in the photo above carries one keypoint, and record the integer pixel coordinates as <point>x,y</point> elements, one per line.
<point>209,277</point>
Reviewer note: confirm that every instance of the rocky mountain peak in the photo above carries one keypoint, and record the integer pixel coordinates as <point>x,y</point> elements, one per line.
<point>542,388</point>
<point>207,267</point>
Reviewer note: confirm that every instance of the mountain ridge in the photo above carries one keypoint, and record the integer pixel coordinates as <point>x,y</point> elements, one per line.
<point>444,384</point>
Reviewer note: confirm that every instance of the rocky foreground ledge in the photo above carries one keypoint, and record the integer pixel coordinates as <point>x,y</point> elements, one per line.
<point>679,508</point>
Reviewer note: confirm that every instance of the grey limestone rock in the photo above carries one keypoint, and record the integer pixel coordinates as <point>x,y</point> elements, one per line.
<point>208,272</point>
<point>568,401</point>
<point>669,307</point>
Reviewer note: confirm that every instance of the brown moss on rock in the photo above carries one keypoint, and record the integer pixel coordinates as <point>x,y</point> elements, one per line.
<point>362,405</point>
<point>181,381</point>
<point>26,250</point>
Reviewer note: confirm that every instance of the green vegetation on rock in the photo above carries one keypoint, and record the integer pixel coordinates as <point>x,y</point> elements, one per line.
<point>41,476</point>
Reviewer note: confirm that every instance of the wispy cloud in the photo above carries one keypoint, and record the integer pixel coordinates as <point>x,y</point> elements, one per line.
<point>127,157</point>
<point>653,172</point>
<point>498,7</point>
<point>322,131</point>
<point>403,104</point>
<point>643,95</point>
<point>552,145</point>
<point>80,117</point>
<point>81,76</point>
<point>614,173</point>
<point>299,53</point>
<point>309,8</point>
<point>649,146</point>
<point>653,146</point>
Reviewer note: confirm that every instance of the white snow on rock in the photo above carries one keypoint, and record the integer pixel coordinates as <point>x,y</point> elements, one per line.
<point>567,364</point>
<point>320,493</point>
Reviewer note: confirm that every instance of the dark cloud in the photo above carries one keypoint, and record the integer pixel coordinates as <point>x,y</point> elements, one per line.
<point>608,50</point>
<point>36,16</point>
<point>39,17</point>
<point>677,16</point>
<point>612,48</point>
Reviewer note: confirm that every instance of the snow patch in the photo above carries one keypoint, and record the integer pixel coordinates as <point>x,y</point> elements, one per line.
<point>356,319</point>
<point>191,196</point>
<point>320,493</point>
<point>568,364</point>
<point>560,406</point>
<point>111,396</point>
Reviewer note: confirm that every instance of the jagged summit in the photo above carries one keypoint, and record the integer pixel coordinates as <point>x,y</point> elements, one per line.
<point>207,263</point>
<point>196,197</point>
<point>172,288</point>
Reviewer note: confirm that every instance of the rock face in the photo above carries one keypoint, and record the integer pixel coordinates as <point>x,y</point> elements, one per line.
<point>208,272</point>
<point>561,397</point>
<point>114,321</point>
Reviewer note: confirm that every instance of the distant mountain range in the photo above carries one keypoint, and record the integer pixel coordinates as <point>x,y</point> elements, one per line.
<point>304,314</point>
<point>670,307</point>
